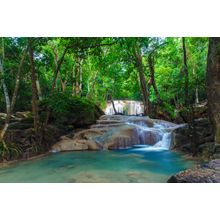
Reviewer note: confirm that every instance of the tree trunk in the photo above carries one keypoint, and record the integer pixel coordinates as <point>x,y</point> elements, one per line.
<point>14,97</point>
<point>189,108</point>
<point>113,105</point>
<point>56,61</point>
<point>73,82</point>
<point>7,99</point>
<point>34,86</point>
<point>5,89</point>
<point>213,85</point>
<point>140,68</point>
<point>153,82</point>
<point>56,73</point>
<point>197,88</point>
<point>63,84</point>
<point>77,76</point>
<point>160,102</point>
<point>80,78</point>
<point>38,89</point>
<point>57,69</point>
<point>91,88</point>
<point>186,73</point>
<point>197,95</point>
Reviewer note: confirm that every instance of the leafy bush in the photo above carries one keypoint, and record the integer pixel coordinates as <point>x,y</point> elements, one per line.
<point>70,110</point>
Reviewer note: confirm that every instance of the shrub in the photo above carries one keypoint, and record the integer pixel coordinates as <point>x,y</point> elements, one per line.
<point>70,110</point>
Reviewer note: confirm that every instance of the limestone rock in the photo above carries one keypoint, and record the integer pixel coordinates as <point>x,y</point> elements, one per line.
<point>113,132</point>
<point>205,173</point>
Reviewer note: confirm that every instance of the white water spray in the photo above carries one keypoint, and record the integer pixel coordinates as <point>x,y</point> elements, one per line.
<point>161,132</point>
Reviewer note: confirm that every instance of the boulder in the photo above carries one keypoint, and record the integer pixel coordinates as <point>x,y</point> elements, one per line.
<point>113,132</point>
<point>70,145</point>
<point>204,138</point>
<point>205,173</point>
<point>122,137</point>
<point>99,138</point>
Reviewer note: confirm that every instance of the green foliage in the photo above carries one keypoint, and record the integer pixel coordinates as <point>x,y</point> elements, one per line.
<point>94,69</point>
<point>71,110</point>
<point>9,151</point>
<point>106,70</point>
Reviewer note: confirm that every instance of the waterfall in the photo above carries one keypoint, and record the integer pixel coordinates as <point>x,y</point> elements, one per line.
<point>127,107</point>
<point>165,143</point>
<point>159,134</point>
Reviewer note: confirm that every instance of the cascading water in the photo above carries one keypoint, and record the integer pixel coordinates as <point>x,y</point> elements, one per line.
<point>144,156</point>
<point>160,134</point>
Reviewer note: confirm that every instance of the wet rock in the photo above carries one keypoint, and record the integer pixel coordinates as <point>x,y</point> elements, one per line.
<point>205,173</point>
<point>98,138</point>
<point>124,136</point>
<point>106,122</point>
<point>200,111</point>
<point>204,138</point>
<point>206,150</point>
<point>213,164</point>
<point>113,132</point>
<point>70,145</point>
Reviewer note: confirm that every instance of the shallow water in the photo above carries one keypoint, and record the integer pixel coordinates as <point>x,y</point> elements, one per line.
<point>139,164</point>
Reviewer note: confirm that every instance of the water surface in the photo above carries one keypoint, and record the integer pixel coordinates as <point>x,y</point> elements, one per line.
<point>139,164</point>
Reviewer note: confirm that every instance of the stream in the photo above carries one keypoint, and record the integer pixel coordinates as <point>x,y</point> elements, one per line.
<point>139,163</point>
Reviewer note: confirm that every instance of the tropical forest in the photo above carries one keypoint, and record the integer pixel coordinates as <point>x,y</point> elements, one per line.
<point>110,109</point>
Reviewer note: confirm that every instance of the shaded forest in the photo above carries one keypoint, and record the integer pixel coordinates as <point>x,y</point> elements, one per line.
<point>67,82</point>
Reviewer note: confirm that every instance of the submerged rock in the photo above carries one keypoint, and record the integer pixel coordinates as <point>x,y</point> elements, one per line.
<point>205,173</point>
<point>114,132</point>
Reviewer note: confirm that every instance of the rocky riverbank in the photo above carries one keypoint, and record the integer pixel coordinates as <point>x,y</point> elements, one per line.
<point>21,140</point>
<point>206,151</point>
<point>204,173</point>
<point>112,132</point>
<point>205,146</point>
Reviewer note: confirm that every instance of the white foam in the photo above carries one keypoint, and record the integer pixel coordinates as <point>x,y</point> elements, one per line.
<point>161,145</point>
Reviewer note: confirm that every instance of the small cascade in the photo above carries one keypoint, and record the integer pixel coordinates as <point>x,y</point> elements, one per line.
<point>165,143</point>
<point>156,138</point>
<point>120,132</point>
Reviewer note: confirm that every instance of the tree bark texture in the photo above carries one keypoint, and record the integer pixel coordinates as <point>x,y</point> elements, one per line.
<point>213,85</point>
<point>144,89</point>
<point>34,86</point>
<point>186,73</point>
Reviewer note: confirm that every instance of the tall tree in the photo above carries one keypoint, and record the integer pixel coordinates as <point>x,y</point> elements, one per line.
<point>213,85</point>
<point>2,75</point>
<point>34,86</point>
<point>143,83</point>
<point>152,76</point>
<point>186,73</point>
<point>14,96</point>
